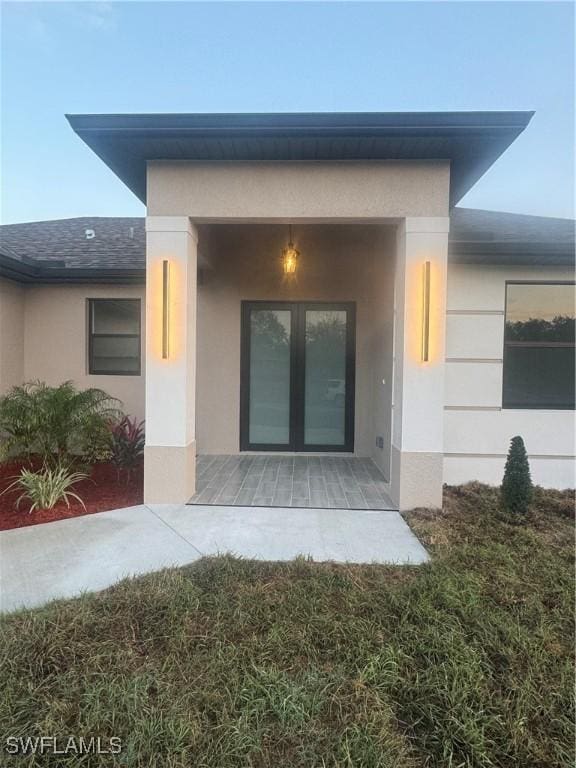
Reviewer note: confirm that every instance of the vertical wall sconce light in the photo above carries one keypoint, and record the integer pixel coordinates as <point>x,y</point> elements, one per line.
<point>426,312</point>
<point>165,309</point>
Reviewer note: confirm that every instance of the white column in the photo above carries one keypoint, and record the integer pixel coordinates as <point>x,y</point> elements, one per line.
<point>418,418</point>
<point>170,450</point>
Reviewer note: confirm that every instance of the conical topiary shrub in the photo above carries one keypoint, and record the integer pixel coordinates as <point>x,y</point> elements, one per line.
<point>516,490</point>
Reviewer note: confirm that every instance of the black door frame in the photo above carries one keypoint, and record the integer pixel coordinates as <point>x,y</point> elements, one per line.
<point>297,375</point>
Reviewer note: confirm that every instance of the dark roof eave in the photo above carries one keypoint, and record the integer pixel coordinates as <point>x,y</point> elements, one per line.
<point>511,253</point>
<point>511,260</point>
<point>471,141</point>
<point>296,122</point>
<point>39,274</point>
<point>14,269</point>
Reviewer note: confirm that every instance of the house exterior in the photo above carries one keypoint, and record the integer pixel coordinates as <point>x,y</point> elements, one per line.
<point>307,284</point>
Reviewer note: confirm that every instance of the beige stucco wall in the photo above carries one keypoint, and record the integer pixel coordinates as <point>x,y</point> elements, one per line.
<point>477,430</point>
<point>55,339</point>
<point>11,334</point>
<point>381,355</point>
<point>345,190</point>
<point>338,263</point>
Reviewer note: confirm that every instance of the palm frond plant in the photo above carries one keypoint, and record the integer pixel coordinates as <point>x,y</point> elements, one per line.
<point>19,423</point>
<point>56,423</point>
<point>46,488</point>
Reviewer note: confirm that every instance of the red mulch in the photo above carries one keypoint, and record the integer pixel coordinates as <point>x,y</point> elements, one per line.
<point>99,492</point>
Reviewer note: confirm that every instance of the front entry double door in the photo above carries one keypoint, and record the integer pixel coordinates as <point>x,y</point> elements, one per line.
<point>297,376</point>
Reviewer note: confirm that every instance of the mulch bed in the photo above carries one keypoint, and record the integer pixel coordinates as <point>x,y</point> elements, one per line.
<point>100,492</point>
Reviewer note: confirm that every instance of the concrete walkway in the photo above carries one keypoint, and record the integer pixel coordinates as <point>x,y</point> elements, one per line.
<point>63,559</point>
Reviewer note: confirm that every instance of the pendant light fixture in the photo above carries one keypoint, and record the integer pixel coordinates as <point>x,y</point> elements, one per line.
<point>290,255</point>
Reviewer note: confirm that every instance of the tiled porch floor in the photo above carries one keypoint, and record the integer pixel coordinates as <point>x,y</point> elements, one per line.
<point>329,482</point>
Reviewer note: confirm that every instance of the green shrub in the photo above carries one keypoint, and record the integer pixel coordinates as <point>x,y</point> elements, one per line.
<point>516,491</point>
<point>56,423</point>
<point>47,487</point>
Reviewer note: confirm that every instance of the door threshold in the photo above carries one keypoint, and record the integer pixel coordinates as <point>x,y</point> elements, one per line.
<point>331,454</point>
<point>382,506</point>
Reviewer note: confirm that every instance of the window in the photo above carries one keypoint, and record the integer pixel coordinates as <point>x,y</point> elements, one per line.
<point>114,337</point>
<point>539,346</point>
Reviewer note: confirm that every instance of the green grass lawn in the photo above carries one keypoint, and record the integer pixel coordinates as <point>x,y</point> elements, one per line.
<point>466,661</point>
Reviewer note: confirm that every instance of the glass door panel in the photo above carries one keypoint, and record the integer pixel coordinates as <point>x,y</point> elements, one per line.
<point>325,377</point>
<point>270,376</point>
<point>297,376</point>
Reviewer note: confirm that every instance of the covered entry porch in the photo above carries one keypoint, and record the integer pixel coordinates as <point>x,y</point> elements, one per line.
<point>400,171</point>
<point>324,482</point>
<point>364,264</point>
<point>301,362</point>
<point>377,399</point>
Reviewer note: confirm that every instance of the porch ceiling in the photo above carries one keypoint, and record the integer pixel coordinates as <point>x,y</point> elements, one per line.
<point>471,141</point>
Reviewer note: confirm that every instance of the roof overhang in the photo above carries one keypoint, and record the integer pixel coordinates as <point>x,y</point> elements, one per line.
<point>470,141</point>
<point>542,254</point>
<point>38,273</point>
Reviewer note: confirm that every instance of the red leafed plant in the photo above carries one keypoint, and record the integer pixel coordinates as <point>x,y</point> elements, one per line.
<point>127,444</point>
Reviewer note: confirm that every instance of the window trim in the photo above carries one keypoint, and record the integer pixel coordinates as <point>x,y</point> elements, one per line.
<point>92,335</point>
<point>541,345</point>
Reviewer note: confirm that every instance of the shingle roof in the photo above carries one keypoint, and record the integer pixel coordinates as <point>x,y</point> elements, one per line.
<point>478,236</point>
<point>118,243</point>
<point>61,250</point>
<point>65,249</point>
<point>467,224</point>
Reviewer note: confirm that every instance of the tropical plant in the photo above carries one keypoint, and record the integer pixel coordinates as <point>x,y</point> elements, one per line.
<point>47,487</point>
<point>56,423</point>
<point>127,444</point>
<point>516,490</point>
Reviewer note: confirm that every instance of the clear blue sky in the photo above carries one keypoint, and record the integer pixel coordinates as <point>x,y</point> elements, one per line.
<point>279,57</point>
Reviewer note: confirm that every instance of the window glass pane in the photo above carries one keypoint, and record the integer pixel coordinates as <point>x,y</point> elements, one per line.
<point>539,376</point>
<point>115,355</point>
<point>115,316</point>
<point>540,313</point>
<point>325,395</point>
<point>270,376</point>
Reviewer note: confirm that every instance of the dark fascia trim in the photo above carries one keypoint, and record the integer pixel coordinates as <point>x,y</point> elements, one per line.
<point>512,245</point>
<point>512,260</point>
<point>40,274</point>
<point>100,132</point>
<point>512,252</point>
<point>540,259</point>
<point>294,122</point>
<point>14,269</point>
